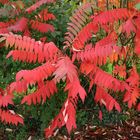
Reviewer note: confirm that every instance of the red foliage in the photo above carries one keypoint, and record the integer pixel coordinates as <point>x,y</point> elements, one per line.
<point>66,116</point>
<point>111,16</point>
<point>106,99</point>
<point>44,92</point>
<point>5,100</point>
<point>84,35</point>
<point>41,27</point>
<point>138,107</point>
<point>45,16</point>
<point>133,92</point>
<point>100,115</point>
<point>22,24</point>
<point>38,4</point>
<point>18,86</point>
<point>120,70</point>
<point>35,75</point>
<point>33,50</point>
<point>74,27</point>
<point>10,117</point>
<point>90,54</point>
<point>19,26</point>
<point>106,80</point>
<point>4,1</point>
<point>128,27</point>
<point>6,115</point>
<point>65,69</point>
<point>4,24</point>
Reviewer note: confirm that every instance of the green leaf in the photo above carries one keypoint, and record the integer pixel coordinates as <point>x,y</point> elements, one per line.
<point>137,6</point>
<point>110,68</point>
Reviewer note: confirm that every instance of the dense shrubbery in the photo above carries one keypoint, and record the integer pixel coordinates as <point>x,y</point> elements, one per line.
<point>97,60</point>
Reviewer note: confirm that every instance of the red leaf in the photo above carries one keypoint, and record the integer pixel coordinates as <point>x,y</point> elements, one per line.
<point>87,67</point>
<point>117,106</point>
<point>41,27</point>
<point>138,107</point>
<point>32,50</point>
<point>82,93</point>
<point>38,4</point>
<point>110,105</point>
<point>132,93</point>
<point>37,74</point>
<point>45,16</point>
<point>44,92</point>
<point>106,99</point>
<point>10,117</point>
<point>100,115</point>
<point>128,27</point>
<point>19,26</point>
<point>120,70</point>
<point>111,15</point>
<point>5,100</point>
<point>66,116</point>
<point>65,68</point>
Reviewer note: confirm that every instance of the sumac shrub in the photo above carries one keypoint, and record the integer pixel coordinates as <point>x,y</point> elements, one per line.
<point>94,40</point>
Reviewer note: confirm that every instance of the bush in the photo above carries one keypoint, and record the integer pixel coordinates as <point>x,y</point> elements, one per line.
<point>99,59</point>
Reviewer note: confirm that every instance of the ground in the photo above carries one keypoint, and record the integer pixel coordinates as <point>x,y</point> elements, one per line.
<point>128,130</point>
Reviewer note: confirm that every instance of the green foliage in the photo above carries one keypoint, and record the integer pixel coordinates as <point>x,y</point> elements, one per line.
<point>137,6</point>
<point>36,117</point>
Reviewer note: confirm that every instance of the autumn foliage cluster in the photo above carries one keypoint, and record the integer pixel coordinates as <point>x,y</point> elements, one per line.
<point>84,53</point>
